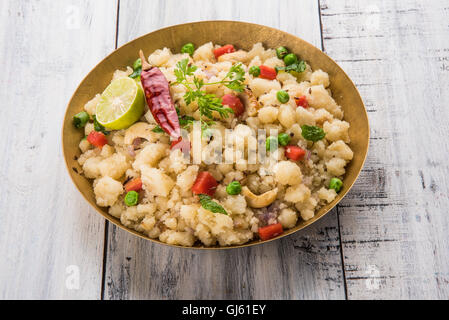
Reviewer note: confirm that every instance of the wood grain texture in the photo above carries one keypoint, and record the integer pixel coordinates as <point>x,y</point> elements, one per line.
<point>394,223</point>
<point>45,225</point>
<point>306,265</point>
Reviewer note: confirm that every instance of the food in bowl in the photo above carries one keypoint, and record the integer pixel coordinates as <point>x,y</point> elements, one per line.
<point>143,131</point>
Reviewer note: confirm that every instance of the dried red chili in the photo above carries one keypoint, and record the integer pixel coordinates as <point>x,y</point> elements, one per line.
<point>157,94</point>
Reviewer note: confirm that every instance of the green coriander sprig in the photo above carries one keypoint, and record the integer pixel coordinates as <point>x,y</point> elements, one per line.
<point>208,103</point>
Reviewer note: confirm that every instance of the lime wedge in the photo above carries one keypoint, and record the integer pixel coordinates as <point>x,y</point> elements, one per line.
<point>121,104</point>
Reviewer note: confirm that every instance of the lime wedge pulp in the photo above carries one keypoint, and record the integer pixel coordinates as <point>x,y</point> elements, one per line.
<point>121,104</point>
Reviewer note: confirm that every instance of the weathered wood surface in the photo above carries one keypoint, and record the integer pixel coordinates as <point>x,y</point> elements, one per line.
<point>395,222</point>
<point>303,266</point>
<point>48,233</point>
<point>393,225</point>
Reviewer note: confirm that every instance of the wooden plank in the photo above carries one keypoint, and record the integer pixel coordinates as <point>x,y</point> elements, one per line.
<point>48,234</point>
<point>394,224</point>
<point>302,266</point>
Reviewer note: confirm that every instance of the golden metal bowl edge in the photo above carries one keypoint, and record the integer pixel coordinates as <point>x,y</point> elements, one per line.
<point>242,35</point>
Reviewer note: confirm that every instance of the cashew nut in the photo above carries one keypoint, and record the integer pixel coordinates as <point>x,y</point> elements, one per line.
<point>250,102</point>
<point>145,64</point>
<point>259,201</point>
<point>237,56</point>
<point>139,130</point>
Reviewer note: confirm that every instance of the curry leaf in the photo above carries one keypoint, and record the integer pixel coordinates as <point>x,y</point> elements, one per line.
<point>312,133</point>
<point>208,204</point>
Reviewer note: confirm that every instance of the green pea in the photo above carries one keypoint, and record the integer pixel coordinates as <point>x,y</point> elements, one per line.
<point>137,64</point>
<point>234,188</point>
<point>282,96</point>
<point>281,52</point>
<point>284,139</point>
<point>271,143</point>
<point>335,184</point>
<point>254,71</point>
<point>188,48</point>
<point>80,119</point>
<point>290,58</point>
<point>131,198</point>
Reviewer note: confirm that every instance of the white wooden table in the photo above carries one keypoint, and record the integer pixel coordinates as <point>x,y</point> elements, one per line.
<point>389,238</point>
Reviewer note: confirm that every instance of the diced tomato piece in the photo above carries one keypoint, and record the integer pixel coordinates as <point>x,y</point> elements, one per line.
<point>133,185</point>
<point>204,184</point>
<point>267,72</point>
<point>294,153</point>
<point>222,50</point>
<point>180,144</point>
<point>97,139</point>
<point>234,103</point>
<point>302,101</point>
<point>270,231</point>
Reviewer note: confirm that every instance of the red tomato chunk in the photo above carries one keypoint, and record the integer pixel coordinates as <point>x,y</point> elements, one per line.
<point>222,50</point>
<point>302,101</point>
<point>234,103</point>
<point>204,184</point>
<point>267,72</point>
<point>180,144</point>
<point>133,185</point>
<point>270,231</point>
<point>97,139</point>
<point>294,153</point>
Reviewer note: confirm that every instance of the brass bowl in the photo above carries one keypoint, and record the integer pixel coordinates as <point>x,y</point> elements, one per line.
<point>243,35</point>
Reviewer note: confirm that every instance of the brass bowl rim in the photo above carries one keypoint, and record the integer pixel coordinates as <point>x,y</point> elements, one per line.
<point>288,232</point>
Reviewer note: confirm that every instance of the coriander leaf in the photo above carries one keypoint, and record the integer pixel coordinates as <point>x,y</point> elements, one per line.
<point>183,70</point>
<point>136,73</point>
<point>236,86</point>
<point>179,76</point>
<point>236,72</point>
<point>210,102</point>
<point>98,127</point>
<point>157,129</point>
<point>297,67</point>
<point>189,97</point>
<point>312,133</point>
<point>207,103</point>
<point>236,76</point>
<point>208,204</point>
<point>137,69</point>
<point>206,124</point>
<point>191,70</point>
<point>186,121</point>
<point>199,83</point>
<point>182,65</point>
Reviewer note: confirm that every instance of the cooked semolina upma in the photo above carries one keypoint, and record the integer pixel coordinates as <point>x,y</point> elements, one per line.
<point>139,146</point>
